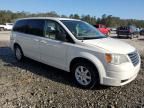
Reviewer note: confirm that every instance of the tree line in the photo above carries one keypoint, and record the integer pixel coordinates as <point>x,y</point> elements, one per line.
<point>108,20</point>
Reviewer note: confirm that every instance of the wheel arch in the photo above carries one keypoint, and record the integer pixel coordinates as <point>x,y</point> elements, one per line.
<point>80,59</point>
<point>92,60</point>
<point>16,44</point>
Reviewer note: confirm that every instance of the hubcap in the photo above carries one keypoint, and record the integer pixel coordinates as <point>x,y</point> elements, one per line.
<point>83,75</point>
<point>18,54</point>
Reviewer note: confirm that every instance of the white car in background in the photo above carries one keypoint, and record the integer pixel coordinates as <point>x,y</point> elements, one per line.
<point>77,47</point>
<point>7,26</point>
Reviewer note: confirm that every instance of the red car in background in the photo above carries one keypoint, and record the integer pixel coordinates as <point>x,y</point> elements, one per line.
<point>103,29</point>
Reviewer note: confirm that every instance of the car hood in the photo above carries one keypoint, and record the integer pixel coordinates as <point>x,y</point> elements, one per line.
<point>111,45</point>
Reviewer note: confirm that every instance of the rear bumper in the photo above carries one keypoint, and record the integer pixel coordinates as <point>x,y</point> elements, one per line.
<point>119,33</point>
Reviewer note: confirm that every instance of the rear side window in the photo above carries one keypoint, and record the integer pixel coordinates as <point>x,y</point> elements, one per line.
<point>36,27</point>
<point>30,26</point>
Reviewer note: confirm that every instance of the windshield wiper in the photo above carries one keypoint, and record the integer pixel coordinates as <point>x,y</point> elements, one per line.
<point>87,38</point>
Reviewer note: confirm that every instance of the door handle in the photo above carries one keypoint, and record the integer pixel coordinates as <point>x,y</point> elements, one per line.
<point>49,44</point>
<point>36,40</point>
<point>43,41</point>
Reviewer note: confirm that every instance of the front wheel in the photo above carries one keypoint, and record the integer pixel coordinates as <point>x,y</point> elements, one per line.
<point>85,75</point>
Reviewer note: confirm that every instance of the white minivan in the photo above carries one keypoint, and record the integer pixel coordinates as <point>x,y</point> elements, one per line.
<point>77,47</point>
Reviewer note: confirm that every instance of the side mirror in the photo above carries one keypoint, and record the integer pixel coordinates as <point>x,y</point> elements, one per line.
<point>61,36</point>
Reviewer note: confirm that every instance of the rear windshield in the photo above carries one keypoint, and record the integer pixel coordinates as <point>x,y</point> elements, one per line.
<point>127,27</point>
<point>123,28</point>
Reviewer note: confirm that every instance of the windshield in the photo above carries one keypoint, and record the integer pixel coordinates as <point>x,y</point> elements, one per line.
<point>82,30</point>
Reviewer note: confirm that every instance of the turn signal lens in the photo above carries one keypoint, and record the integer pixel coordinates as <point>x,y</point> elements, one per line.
<point>108,58</point>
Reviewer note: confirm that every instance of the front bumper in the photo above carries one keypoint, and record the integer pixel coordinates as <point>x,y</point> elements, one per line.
<point>120,75</point>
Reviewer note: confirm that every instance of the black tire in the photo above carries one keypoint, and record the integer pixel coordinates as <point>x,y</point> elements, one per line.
<point>108,34</point>
<point>128,36</point>
<point>93,73</point>
<point>131,36</point>
<point>1,29</point>
<point>138,35</point>
<point>118,35</point>
<point>17,49</point>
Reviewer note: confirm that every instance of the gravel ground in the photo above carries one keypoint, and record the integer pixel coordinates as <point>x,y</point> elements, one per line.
<point>34,85</point>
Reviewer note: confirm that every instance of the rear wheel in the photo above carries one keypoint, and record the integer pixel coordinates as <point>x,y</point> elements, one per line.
<point>18,53</point>
<point>85,75</point>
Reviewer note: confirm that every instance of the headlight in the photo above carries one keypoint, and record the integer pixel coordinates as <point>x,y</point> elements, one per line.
<point>116,58</point>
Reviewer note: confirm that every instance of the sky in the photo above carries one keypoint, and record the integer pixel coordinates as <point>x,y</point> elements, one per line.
<point>126,9</point>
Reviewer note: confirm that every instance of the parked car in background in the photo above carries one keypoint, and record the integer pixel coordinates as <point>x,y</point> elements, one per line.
<point>113,30</point>
<point>142,32</point>
<point>77,47</point>
<point>138,30</point>
<point>7,26</point>
<point>2,27</point>
<point>103,29</point>
<point>128,31</point>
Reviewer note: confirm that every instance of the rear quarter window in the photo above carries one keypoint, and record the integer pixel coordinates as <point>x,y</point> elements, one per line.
<point>20,26</point>
<point>30,26</point>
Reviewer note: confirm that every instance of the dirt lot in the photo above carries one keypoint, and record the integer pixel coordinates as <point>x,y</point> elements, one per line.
<point>34,85</point>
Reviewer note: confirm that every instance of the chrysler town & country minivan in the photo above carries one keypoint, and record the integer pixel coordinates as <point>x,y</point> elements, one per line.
<point>77,47</point>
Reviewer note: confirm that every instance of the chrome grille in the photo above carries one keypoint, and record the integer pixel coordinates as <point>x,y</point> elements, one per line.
<point>134,58</point>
